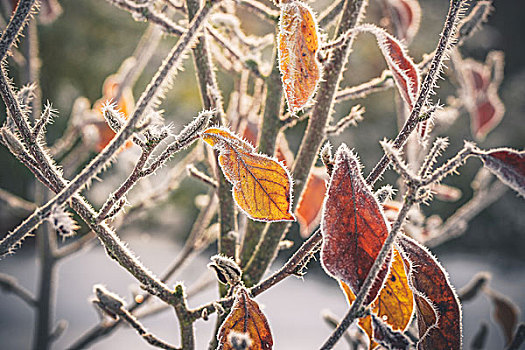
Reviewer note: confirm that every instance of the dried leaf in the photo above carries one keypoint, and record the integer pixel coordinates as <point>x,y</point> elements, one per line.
<point>246,318</point>
<point>479,91</point>
<point>395,303</point>
<point>437,306</point>
<point>405,16</point>
<point>353,225</point>
<point>505,314</point>
<point>297,51</point>
<point>508,165</point>
<point>308,210</point>
<point>261,185</point>
<point>404,71</point>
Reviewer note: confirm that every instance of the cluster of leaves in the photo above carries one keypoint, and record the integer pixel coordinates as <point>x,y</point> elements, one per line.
<point>388,276</point>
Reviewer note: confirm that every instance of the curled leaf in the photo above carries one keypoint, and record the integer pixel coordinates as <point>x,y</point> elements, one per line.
<point>297,51</point>
<point>309,208</point>
<point>261,185</point>
<point>353,226</point>
<point>505,314</point>
<point>508,165</point>
<point>405,16</point>
<point>479,91</point>
<point>247,319</point>
<point>437,306</point>
<point>403,68</point>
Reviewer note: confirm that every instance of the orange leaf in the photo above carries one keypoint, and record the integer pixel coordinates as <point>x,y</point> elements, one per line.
<point>261,185</point>
<point>437,306</point>
<point>395,303</point>
<point>298,45</point>
<point>125,105</point>
<point>353,225</point>
<point>309,208</point>
<point>246,318</point>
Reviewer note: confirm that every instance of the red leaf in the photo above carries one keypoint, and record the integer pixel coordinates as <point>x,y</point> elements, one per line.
<point>479,91</point>
<point>405,16</point>
<point>308,211</point>
<point>505,314</point>
<point>404,71</point>
<point>353,225</point>
<point>437,306</point>
<point>246,320</point>
<point>508,165</point>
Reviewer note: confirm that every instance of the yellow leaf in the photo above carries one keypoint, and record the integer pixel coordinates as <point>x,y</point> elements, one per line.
<point>395,303</point>
<point>261,185</point>
<point>246,320</point>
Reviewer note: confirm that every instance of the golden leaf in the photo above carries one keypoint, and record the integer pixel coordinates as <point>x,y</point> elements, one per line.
<point>395,303</point>
<point>261,185</point>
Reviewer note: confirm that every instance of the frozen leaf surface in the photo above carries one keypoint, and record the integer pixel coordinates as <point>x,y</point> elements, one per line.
<point>261,185</point>
<point>395,303</point>
<point>437,307</point>
<point>297,50</point>
<point>508,165</point>
<point>353,226</point>
<point>245,318</point>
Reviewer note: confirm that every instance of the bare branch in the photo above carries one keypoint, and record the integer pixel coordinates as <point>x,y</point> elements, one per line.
<point>9,284</point>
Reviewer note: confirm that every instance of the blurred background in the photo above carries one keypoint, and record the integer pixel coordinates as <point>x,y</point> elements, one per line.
<point>88,42</point>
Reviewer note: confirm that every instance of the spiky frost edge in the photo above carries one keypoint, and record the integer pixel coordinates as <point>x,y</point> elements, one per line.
<point>485,154</point>
<point>295,5</point>
<point>412,269</point>
<point>222,145</point>
<point>381,38</point>
<point>343,153</point>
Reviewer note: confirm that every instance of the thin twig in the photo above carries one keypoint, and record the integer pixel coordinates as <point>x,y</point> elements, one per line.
<point>164,74</point>
<point>9,284</point>
<point>112,305</point>
<point>352,14</point>
<point>147,12</point>
<point>445,43</point>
